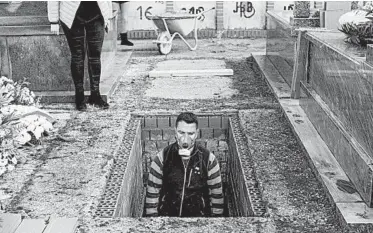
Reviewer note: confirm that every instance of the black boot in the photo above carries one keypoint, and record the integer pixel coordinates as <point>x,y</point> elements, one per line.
<point>96,100</point>
<point>79,100</point>
<point>124,40</point>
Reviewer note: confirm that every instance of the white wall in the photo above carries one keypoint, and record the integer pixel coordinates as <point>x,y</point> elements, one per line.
<point>244,15</point>
<point>244,18</point>
<point>283,5</point>
<point>136,14</point>
<point>196,7</point>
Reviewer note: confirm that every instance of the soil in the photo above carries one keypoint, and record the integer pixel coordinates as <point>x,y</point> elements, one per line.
<point>65,176</point>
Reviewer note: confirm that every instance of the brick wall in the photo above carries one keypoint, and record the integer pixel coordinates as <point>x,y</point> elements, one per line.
<point>159,131</point>
<point>130,200</point>
<point>146,135</point>
<point>236,180</point>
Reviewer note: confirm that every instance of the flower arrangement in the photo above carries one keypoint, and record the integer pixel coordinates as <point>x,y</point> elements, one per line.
<point>20,122</point>
<point>358,26</point>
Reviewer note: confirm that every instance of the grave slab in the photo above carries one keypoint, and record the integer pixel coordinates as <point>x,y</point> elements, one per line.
<point>191,88</point>
<point>200,67</point>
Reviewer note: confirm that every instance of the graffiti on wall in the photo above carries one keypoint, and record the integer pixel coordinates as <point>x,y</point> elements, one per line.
<point>245,9</point>
<point>289,7</point>
<point>145,12</point>
<point>195,10</point>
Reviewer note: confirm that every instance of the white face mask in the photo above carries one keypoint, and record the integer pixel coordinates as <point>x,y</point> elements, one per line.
<point>186,135</point>
<point>185,152</point>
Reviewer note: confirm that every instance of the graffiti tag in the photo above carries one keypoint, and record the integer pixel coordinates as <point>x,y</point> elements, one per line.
<point>246,9</point>
<point>195,10</point>
<point>289,7</point>
<point>146,14</point>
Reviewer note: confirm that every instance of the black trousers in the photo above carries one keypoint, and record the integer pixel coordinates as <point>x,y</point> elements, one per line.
<point>86,35</point>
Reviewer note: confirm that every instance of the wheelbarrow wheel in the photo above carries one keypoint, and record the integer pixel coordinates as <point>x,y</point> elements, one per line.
<point>164,48</point>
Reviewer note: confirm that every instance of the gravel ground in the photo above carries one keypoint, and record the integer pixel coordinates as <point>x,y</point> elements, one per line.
<point>66,178</point>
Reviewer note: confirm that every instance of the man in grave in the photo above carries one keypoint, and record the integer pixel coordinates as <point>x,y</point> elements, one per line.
<point>184,178</point>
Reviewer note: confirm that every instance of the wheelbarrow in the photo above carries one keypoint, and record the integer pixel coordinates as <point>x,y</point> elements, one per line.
<point>171,24</point>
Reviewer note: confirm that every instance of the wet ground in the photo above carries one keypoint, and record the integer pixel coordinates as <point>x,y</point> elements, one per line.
<point>65,176</point>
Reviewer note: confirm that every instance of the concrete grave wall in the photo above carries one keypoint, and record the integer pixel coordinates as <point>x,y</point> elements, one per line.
<point>145,135</point>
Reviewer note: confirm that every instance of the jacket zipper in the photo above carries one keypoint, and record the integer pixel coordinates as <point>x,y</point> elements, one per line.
<point>182,195</point>
<point>190,177</point>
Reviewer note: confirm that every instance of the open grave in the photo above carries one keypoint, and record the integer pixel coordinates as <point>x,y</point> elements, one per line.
<point>145,135</point>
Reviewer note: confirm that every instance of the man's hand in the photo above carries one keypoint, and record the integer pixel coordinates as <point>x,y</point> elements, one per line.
<point>55,28</point>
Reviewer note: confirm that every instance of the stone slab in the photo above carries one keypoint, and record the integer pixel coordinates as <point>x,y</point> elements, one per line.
<point>349,154</point>
<point>190,88</point>
<point>31,226</point>
<point>280,88</point>
<point>61,225</point>
<point>356,213</point>
<point>183,67</point>
<point>190,73</point>
<point>326,165</point>
<point>9,222</point>
<point>351,209</point>
<point>183,64</point>
<point>283,67</point>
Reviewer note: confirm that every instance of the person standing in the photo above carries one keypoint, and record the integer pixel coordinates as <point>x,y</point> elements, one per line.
<point>123,6</point>
<point>184,178</point>
<point>84,24</point>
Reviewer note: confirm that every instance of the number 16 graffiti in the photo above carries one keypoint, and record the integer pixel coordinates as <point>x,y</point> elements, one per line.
<point>147,12</point>
<point>246,9</point>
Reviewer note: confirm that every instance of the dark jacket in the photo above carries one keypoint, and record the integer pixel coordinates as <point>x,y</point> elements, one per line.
<point>190,190</point>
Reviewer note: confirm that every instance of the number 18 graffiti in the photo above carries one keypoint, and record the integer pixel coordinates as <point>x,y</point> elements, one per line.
<point>194,10</point>
<point>246,9</point>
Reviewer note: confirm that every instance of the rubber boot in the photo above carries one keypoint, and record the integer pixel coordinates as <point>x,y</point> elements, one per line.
<point>124,40</point>
<point>96,100</point>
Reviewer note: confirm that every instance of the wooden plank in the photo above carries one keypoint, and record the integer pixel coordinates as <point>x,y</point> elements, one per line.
<point>61,225</point>
<point>300,64</point>
<point>326,165</point>
<point>280,88</point>
<point>9,222</point>
<point>31,226</point>
<point>189,73</point>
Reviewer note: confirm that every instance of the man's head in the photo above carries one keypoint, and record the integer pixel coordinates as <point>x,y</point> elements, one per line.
<point>186,128</point>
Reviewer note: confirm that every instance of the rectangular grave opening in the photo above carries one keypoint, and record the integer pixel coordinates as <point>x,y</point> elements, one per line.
<point>146,135</point>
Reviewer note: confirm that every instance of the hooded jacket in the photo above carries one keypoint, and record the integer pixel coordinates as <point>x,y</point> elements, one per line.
<point>190,189</point>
